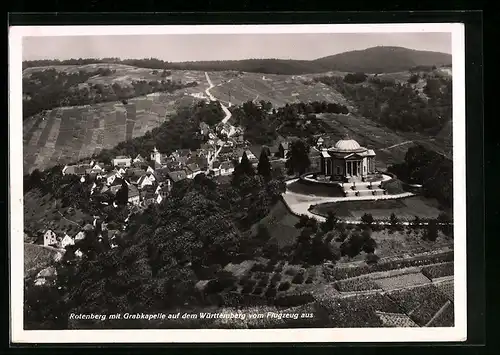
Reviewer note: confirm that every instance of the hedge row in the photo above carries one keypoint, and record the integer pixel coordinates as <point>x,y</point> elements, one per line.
<point>436,271</point>
<point>339,273</point>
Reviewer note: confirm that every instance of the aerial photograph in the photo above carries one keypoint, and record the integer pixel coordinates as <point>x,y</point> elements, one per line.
<point>238,181</point>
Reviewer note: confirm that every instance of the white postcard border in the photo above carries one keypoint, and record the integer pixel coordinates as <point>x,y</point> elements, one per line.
<point>19,335</point>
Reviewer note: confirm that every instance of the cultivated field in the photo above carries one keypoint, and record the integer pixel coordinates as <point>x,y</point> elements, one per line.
<point>66,134</point>
<point>278,89</point>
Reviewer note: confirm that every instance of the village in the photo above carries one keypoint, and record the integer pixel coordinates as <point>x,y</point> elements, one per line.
<point>149,180</point>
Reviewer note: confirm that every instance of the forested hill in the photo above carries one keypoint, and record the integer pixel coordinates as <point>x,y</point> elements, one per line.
<point>371,60</point>
<point>383,60</point>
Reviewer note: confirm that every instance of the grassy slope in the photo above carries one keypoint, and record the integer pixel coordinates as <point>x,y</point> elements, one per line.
<point>281,224</point>
<point>403,208</point>
<point>36,257</point>
<point>42,212</point>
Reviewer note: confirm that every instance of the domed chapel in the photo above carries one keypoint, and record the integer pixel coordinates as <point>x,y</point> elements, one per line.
<point>347,161</point>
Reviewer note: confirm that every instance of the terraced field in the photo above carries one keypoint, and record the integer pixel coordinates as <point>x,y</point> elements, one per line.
<point>278,89</point>
<point>67,134</point>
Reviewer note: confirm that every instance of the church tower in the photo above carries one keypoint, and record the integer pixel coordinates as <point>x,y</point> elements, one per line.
<point>156,156</point>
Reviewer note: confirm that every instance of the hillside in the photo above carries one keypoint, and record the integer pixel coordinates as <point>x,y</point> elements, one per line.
<point>382,60</point>
<point>370,60</point>
<point>65,134</point>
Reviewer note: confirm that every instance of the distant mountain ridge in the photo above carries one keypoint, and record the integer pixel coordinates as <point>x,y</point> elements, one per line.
<point>383,60</point>
<point>379,59</point>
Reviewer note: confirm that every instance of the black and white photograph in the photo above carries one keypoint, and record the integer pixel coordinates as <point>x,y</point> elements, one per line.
<point>298,183</point>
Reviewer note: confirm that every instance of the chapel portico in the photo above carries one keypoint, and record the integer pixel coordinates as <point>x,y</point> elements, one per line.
<point>347,161</point>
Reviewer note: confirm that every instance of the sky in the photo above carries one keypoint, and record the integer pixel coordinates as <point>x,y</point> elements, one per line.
<point>196,47</point>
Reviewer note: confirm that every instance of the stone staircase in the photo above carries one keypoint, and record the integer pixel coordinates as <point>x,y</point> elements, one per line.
<point>363,189</point>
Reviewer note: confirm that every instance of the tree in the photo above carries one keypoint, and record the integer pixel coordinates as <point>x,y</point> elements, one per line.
<point>330,222</point>
<point>394,221</point>
<point>431,231</point>
<point>243,168</point>
<point>264,166</point>
<point>298,158</point>
<point>122,195</point>
<point>367,219</point>
<point>371,258</point>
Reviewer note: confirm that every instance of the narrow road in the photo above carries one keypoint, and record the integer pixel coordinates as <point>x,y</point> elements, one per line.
<point>226,112</point>
<point>397,145</point>
<point>69,220</point>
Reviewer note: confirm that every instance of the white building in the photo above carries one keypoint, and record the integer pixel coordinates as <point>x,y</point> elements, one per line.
<point>67,240</point>
<point>122,161</point>
<point>49,238</point>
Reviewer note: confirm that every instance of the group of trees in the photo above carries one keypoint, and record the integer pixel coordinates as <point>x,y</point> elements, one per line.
<point>430,169</point>
<point>159,256</point>
<point>263,123</point>
<point>298,158</point>
<point>47,89</point>
<point>399,105</point>
<point>330,240</point>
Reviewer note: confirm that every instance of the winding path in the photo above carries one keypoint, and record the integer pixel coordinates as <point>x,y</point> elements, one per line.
<point>226,112</point>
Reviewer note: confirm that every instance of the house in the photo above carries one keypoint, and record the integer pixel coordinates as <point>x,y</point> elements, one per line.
<point>283,149</point>
<point>49,238</point>
<point>133,195</point>
<point>67,240</point>
<point>319,142</point>
<point>122,161</point>
<point>226,168</point>
<point>251,157</point>
<point>147,197</point>
<point>46,276</point>
<point>139,160</point>
<point>134,174</point>
<point>79,236</point>
<point>78,253</point>
<point>176,176</point>
<point>116,186</point>
<point>146,180</point>
<point>216,168</point>
<point>79,170</point>
<point>121,171</point>
<point>111,176</point>
<point>192,170</point>
<point>112,237</point>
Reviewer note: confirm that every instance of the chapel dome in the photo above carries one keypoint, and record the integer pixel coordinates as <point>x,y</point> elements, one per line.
<point>347,145</point>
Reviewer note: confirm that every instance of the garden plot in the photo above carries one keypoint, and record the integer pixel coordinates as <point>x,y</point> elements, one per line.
<point>358,310</point>
<point>35,136</point>
<point>395,320</point>
<point>439,270</point>
<point>401,281</point>
<point>445,317</point>
<point>265,281</point>
<point>357,284</point>
<point>420,303</point>
<point>447,288</point>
